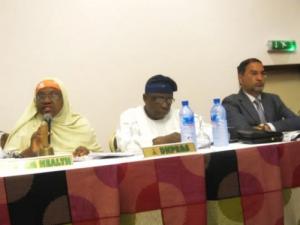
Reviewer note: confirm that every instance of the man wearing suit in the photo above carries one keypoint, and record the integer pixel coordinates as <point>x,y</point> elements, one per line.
<point>253,108</point>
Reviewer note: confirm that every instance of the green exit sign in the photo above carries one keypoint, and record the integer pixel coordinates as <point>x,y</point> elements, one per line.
<point>282,46</point>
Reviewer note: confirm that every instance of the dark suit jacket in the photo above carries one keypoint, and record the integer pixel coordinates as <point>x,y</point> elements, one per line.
<point>241,113</point>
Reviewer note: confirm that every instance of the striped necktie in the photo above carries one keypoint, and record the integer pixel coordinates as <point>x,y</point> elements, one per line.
<point>260,110</point>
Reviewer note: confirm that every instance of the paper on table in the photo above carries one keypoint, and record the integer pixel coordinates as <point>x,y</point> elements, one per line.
<point>291,135</point>
<point>103,155</point>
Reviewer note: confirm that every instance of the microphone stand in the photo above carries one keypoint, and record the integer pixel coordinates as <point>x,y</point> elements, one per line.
<point>49,131</point>
<point>48,150</point>
<point>48,119</point>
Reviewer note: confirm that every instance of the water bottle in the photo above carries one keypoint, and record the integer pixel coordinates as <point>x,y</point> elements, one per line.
<point>219,124</point>
<point>187,124</point>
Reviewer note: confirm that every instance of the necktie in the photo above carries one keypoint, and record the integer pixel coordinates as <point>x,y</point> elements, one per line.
<point>260,111</point>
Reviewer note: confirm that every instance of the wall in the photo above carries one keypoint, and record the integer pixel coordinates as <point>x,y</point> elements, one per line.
<point>286,84</point>
<point>104,51</point>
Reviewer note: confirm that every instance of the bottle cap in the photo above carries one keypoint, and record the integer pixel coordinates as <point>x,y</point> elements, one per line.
<point>217,101</point>
<point>185,103</point>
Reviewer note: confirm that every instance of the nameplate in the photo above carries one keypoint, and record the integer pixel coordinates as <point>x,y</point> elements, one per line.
<point>37,162</point>
<point>51,161</point>
<point>168,149</point>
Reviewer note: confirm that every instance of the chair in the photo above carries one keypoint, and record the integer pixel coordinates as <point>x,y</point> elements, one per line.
<point>113,145</point>
<point>3,139</point>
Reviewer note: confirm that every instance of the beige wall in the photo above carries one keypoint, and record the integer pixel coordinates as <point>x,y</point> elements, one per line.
<point>287,86</point>
<point>104,51</point>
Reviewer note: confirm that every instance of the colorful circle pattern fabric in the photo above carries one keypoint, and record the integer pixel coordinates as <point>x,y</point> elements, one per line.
<point>253,186</point>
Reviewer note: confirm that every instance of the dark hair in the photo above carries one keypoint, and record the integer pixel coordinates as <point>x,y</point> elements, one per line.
<point>242,67</point>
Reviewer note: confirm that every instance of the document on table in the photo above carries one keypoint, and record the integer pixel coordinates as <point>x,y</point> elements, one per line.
<point>103,155</point>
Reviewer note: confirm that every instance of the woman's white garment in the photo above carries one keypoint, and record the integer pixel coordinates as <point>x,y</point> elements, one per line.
<point>137,130</point>
<point>68,130</point>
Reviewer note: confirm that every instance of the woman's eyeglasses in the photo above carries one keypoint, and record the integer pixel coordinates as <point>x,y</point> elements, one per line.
<point>54,96</point>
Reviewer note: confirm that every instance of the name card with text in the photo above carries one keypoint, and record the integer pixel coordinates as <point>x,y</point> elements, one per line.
<point>174,148</point>
<point>37,162</point>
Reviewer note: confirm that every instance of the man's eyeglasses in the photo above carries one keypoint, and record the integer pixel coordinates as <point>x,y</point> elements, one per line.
<point>54,96</point>
<point>256,73</point>
<point>162,99</point>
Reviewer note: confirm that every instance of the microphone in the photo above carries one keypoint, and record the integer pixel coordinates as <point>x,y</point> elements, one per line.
<point>48,118</point>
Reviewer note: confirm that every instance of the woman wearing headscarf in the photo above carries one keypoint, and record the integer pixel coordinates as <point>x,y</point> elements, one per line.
<point>70,132</point>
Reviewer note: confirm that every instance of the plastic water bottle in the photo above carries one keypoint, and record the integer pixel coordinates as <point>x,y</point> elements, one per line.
<point>187,124</point>
<point>219,124</point>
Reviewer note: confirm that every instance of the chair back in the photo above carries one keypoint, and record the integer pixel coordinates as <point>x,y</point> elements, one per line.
<point>113,145</point>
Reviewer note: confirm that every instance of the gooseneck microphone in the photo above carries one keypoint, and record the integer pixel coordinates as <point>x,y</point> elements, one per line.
<point>48,118</point>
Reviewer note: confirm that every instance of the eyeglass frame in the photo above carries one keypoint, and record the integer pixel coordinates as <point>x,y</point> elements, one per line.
<point>256,73</point>
<point>53,95</point>
<point>159,99</point>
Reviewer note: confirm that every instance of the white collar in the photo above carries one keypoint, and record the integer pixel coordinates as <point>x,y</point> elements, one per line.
<point>251,97</point>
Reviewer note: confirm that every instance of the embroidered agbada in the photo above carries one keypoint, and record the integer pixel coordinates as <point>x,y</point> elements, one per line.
<point>137,130</point>
<point>69,130</point>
